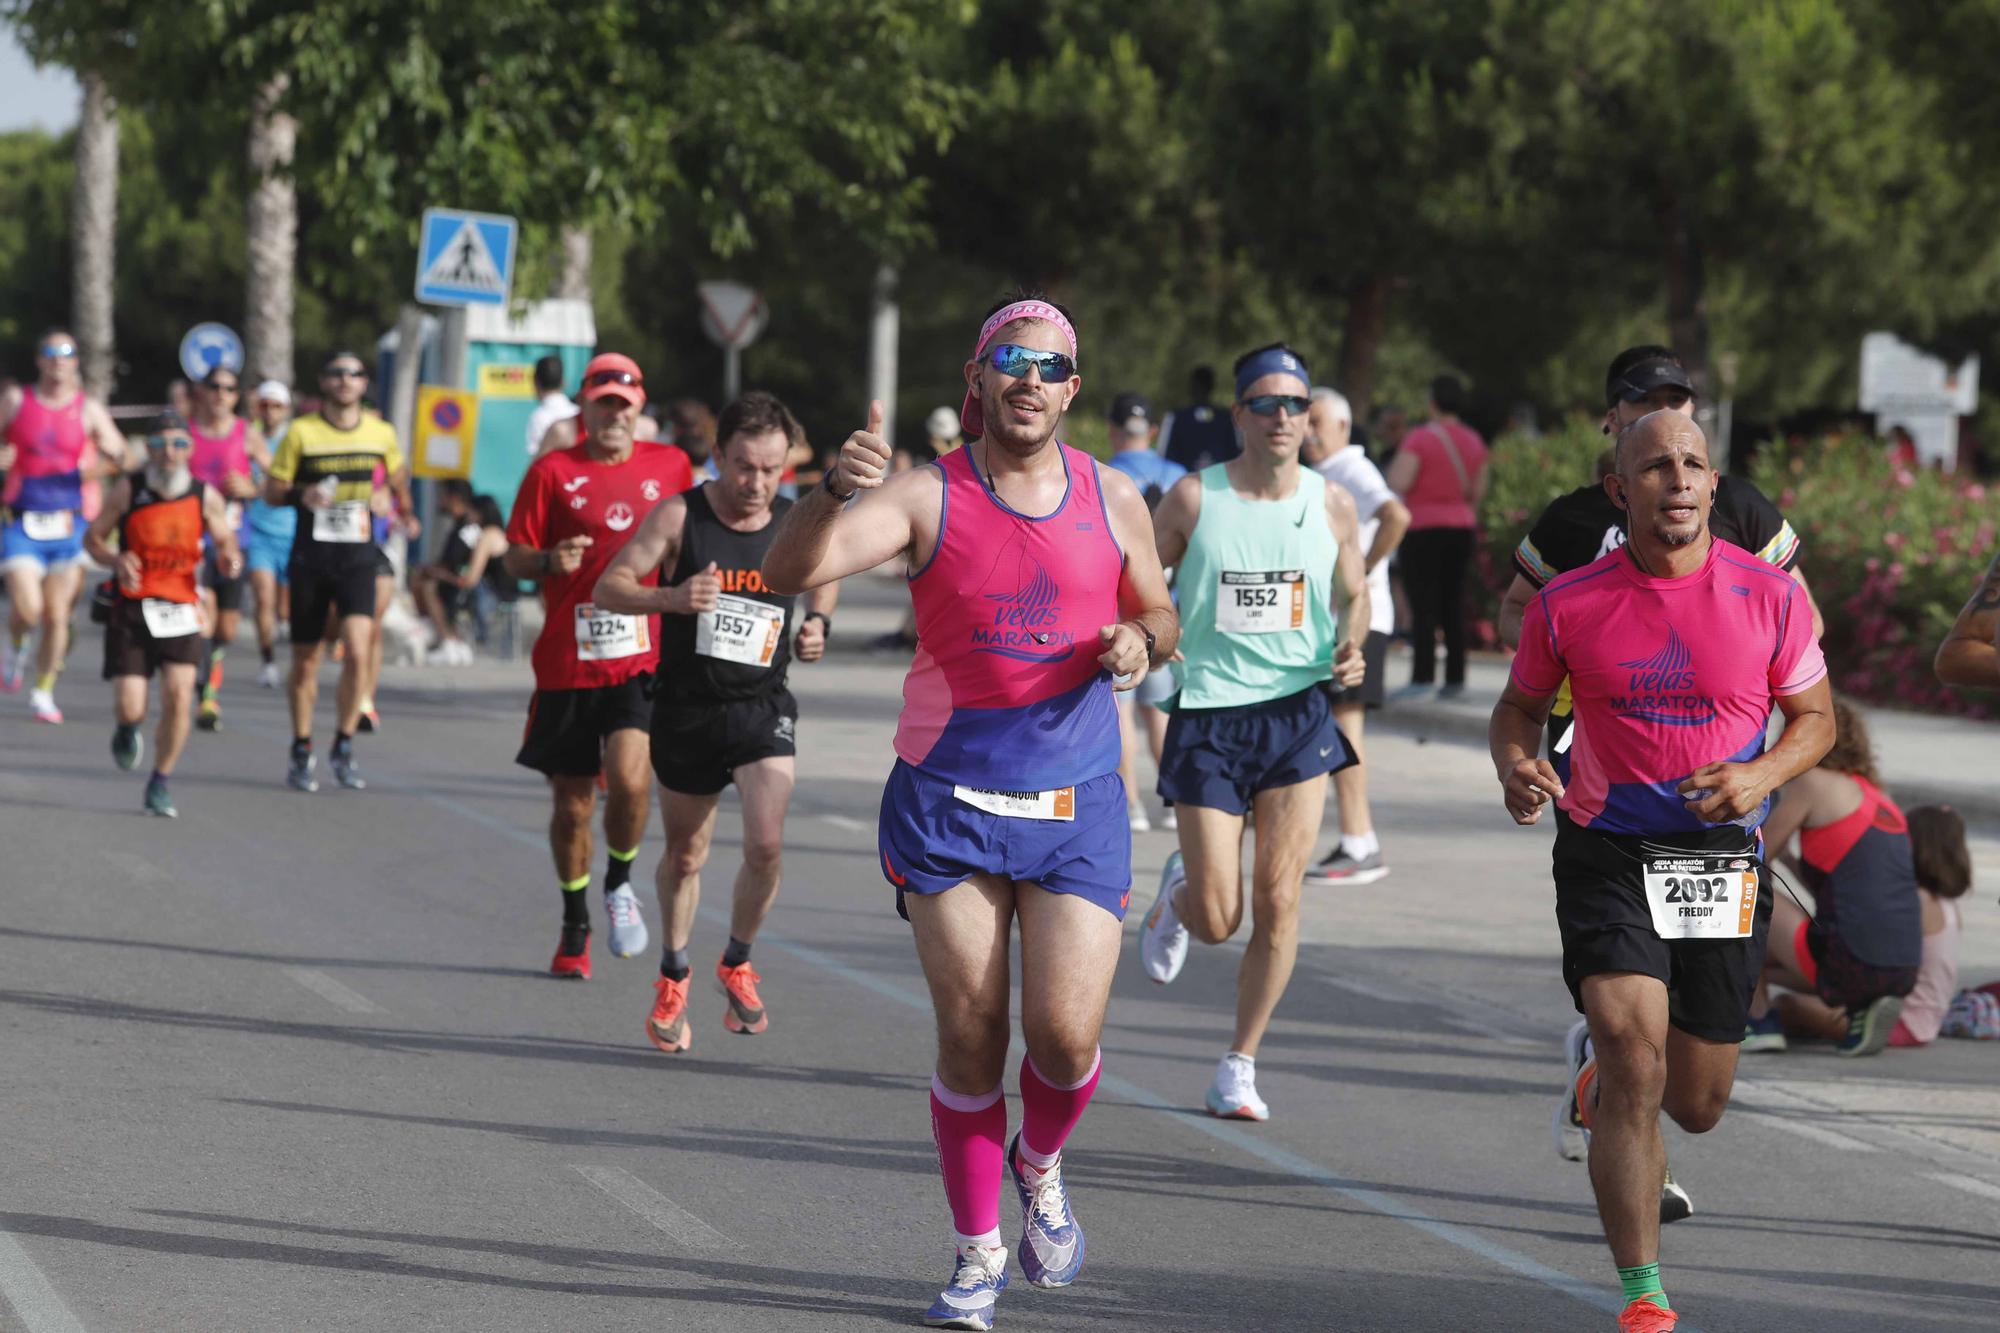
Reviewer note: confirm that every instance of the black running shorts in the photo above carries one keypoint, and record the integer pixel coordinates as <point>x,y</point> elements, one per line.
<point>131,650</point>
<point>567,728</point>
<point>697,747</point>
<point>1606,927</point>
<point>318,589</point>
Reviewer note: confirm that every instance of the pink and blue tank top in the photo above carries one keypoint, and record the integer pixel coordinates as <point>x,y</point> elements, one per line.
<point>49,444</point>
<point>1006,692</point>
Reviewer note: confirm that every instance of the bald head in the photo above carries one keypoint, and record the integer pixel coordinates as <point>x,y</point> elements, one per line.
<point>1666,428</point>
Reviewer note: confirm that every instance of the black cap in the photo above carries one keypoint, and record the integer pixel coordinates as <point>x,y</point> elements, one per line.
<point>1656,372</point>
<point>1128,405</point>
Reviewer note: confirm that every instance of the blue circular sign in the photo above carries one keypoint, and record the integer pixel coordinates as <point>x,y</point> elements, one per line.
<point>207,347</point>
<point>445,415</point>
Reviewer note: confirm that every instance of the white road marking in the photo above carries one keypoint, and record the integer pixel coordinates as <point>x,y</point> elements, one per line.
<point>25,1289</point>
<point>1367,991</point>
<point>1971,1185</point>
<point>324,986</point>
<point>1806,1130</point>
<point>654,1206</point>
<point>1473,1025</point>
<point>846,822</point>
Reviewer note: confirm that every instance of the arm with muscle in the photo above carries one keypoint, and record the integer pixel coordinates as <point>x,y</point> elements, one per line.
<point>1350,588</point>
<point>1142,588</point>
<point>628,585</point>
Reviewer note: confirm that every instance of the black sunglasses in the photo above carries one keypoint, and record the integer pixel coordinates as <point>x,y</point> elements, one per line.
<point>1267,404</point>
<point>344,373</point>
<point>231,387</point>
<point>604,377</point>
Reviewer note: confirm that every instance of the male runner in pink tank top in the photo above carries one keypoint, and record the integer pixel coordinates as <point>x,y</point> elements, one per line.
<point>1036,585</point>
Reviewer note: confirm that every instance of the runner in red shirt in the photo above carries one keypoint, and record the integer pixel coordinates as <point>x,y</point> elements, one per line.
<point>593,670</point>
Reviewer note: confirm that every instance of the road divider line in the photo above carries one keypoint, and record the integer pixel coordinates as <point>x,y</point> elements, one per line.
<point>848,822</point>
<point>1596,1297</point>
<point>1831,1138</point>
<point>28,1292</point>
<point>1367,991</point>
<point>333,992</point>
<point>1970,1184</point>
<point>1480,1029</point>
<point>655,1207</point>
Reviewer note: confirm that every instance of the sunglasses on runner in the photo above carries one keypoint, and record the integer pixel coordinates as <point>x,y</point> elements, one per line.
<point>231,387</point>
<point>1267,404</point>
<point>344,373</point>
<point>604,377</point>
<point>170,441</point>
<point>1009,359</point>
<point>58,351</point>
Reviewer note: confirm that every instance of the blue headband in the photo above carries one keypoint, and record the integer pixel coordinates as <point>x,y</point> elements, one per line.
<point>1271,361</point>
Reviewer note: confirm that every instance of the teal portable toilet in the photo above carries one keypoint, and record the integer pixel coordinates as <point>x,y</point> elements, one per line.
<point>501,351</point>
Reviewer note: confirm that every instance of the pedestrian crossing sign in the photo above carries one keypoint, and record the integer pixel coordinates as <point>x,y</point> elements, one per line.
<point>465,258</point>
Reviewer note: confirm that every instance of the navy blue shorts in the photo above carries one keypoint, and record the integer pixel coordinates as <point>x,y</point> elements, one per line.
<point>930,841</point>
<point>1220,758</point>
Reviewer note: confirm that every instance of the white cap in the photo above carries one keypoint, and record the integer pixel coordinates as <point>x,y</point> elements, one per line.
<point>941,424</point>
<point>274,391</point>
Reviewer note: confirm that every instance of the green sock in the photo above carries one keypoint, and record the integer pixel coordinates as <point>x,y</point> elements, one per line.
<point>1643,1282</point>
<point>618,869</point>
<point>576,907</point>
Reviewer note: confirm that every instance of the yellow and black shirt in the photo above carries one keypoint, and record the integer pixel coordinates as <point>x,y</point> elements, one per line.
<point>359,461</point>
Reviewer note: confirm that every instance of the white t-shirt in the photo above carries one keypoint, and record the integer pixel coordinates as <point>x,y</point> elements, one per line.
<point>554,407</point>
<point>1351,470</point>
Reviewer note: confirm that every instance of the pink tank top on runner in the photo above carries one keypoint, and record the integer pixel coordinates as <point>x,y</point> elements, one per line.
<point>216,456</point>
<point>49,447</point>
<point>1006,692</point>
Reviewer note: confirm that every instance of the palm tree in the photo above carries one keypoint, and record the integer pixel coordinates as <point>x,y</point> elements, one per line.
<point>272,229</point>
<point>94,234</point>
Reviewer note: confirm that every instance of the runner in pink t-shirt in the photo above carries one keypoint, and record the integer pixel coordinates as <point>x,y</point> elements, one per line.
<point>1677,647</point>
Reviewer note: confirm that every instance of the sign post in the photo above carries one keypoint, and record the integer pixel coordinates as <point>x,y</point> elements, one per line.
<point>733,316</point>
<point>447,424</point>
<point>208,347</point>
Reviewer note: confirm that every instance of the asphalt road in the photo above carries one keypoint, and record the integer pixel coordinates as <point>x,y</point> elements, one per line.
<point>291,1062</point>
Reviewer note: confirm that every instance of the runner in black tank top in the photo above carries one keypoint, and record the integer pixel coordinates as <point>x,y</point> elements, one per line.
<point>721,712</point>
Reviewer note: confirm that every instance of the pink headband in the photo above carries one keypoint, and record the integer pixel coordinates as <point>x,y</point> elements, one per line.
<point>971,418</point>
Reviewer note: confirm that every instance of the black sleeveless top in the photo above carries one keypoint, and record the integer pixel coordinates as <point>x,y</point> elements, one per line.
<point>739,650</point>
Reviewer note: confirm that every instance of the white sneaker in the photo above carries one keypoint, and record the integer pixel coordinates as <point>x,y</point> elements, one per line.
<point>1233,1095</point>
<point>43,704</point>
<point>440,655</point>
<point>1170,821</point>
<point>1136,816</point>
<point>1163,940</point>
<point>268,677</point>
<point>1571,1140</point>
<point>628,928</point>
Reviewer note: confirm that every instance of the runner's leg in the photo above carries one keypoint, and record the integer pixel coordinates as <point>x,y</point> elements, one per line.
<point>24,601</point>
<point>569,829</point>
<point>58,600</point>
<point>176,714</point>
<point>1288,820</point>
<point>129,698</point>
<point>766,790</point>
<point>1628,1158</point>
<point>1069,954</point>
<point>359,634</point>
<point>303,689</point>
<point>1700,1075</point>
<point>689,822</point>
<point>1350,784</point>
<point>962,940</point>
<point>628,781</point>
<point>1210,903</point>
<point>264,585</point>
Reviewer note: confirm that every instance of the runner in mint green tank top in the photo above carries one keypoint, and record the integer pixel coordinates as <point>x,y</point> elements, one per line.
<point>1274,606</point>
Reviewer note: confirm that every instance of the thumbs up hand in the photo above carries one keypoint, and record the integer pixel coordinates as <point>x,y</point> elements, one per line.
<point>864,458</point>
<point>700,591</point>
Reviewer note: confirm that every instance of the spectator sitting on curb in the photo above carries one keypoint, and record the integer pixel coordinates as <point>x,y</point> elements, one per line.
<point>467,574</point>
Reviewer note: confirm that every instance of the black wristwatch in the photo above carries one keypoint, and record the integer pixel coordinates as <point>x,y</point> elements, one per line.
<point>1152,657</point>
<point>826,484</point>
<point>825,621</point>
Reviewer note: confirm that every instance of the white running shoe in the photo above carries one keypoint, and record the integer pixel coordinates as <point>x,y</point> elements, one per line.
<point>267,676</point>
<point>43,704</point>
<point>1572,1142</point>
<point>1233,1095</point>
<point>1137,818</point>
<point>1163,940</point>
<point>628,928</point>
<point>1170,821</point>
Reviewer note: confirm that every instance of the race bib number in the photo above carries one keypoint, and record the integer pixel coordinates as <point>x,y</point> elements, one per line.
<point>348,521</point>
<point>1057,804</point>
<point>47,525</point>
<point>170,620</point>
<point>1270,602</point>
<point>740,630</point>
<point>1702,896</point>
<point>232,514</point>
<point>605,636</point>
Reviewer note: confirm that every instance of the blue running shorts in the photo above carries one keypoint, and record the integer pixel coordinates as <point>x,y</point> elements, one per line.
<point>266,552</point>
<point>1220,758</point>
<point>45,555</point>
<point>931,840</point>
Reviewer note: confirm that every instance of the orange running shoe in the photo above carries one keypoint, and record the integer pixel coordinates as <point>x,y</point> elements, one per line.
<point>1585,1103</point>
<point>572,954</point>
<point>667,1026</point>
<point>1642,1316</point>
<point>746,1008</point>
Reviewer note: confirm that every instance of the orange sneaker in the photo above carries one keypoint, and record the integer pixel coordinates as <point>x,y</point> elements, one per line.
<point>1585,1103</point>
<point>746,1008</point>
<point>1642,1316</point>
<point>667,1026</point>
<point>572,954</point>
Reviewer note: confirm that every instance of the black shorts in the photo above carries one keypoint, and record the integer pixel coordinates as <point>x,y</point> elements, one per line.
<point>697,747</point>
<point>1373,688</point>
<point>130,648</point>
<point>318,589</point>
<point>228,592</point>
<point>1220,758</point>
<point>385,568</point>
<point>1606,927</point>
<point>567,729</point>
<point>1843,980</point>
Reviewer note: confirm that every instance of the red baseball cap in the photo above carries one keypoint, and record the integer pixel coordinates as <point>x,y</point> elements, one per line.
<point>615,374</point>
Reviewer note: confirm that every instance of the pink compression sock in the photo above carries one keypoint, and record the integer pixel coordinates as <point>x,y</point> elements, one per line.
<point>1049,1111</point>
<point>971,1134</point>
